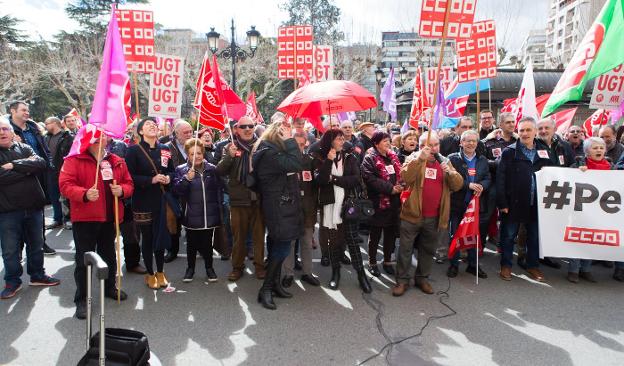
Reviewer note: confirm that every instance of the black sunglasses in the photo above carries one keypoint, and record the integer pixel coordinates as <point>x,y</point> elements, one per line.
<point>243,127</point>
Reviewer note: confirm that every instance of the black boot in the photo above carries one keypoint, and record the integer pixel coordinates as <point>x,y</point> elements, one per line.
<point>265,295</point>
<point>335,278</point>
<point>364,284</point>
<point>277,284</point>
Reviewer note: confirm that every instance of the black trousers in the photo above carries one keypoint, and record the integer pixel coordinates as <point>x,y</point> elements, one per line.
<point>389,238</point>
<point>132,250</point>
<point>199,241</point>
<point>346,233</point>
<point>149,254</point>
<point>100,238</point>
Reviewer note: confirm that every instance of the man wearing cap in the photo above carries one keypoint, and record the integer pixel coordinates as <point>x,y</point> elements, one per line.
<point>367,129</point>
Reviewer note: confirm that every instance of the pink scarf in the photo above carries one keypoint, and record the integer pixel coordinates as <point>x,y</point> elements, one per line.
<point>384,200</point>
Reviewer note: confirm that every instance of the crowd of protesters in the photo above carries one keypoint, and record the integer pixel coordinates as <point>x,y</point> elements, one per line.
<point>258,193</point>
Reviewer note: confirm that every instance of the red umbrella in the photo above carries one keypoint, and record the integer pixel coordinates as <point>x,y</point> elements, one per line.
<point>327,97</point>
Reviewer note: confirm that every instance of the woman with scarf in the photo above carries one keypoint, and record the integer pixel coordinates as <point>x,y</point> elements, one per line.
<point>381,171</point>
<point>338,175</point>
<point>595,159</point>
<point>151,168</point>
<point>277,163</point>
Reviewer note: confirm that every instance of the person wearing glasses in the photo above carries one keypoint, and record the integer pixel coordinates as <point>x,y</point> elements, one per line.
<point>245,211</point>
<point>486,118</point>
<point>574,136</point>
<point>450,144</point>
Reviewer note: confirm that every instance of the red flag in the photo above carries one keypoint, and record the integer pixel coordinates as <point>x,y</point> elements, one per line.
<point>304,79</point>
<point>419,102</point>
<point>252,109</point>
<point>467,233</point>
<point>596,120</point>
<point>563,119</point>
<point>208,100</point>
<point>540,102</point>
<point>509,105</point>
<point>233,103</point>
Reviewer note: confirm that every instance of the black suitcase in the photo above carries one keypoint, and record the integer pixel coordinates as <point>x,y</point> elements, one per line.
<point>118,347</point>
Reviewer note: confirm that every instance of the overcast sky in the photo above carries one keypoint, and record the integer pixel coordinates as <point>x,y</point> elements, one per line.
<point>362,20</point>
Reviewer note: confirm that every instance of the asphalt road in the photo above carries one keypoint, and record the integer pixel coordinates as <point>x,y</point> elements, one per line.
<point>497,323</point>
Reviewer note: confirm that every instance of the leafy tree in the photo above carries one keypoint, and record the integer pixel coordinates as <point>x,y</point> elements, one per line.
<point>93,14</point>
<point>323,15</point>
<point>9,34</point>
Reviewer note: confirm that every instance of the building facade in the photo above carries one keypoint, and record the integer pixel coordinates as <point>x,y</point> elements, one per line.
<point>534,48</point>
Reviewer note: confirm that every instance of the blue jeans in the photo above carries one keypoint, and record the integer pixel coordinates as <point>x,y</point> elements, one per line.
<point>55,196</point>
<point>575,264</point>
<point>509,232</point>
<point>17,227</point>
<point>278,250</point>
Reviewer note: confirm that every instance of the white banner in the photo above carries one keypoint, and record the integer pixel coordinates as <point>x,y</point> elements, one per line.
<point>166,81</point>
<point>446,77</point>
<point>608,89</point>
<point>581,213</point>
<point>323,68</point>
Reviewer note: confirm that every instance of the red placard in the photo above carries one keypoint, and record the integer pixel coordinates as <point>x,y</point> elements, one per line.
<point>137,35</point>
<point>461,16</point>
<point>476,57</point>
<point>294,51</point>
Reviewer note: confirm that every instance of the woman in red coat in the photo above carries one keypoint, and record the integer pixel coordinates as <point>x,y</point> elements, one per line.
<point>92,206</point>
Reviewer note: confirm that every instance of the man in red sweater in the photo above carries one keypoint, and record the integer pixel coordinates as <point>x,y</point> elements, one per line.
<point>92,205</point>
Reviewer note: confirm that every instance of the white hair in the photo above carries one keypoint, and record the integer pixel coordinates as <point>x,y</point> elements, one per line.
<point>469,133</point>
<point>5,121</point>
<point>591,141</point>
<point>423,138</point>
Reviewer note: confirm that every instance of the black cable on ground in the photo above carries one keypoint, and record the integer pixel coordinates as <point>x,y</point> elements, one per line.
<point>378,306</point>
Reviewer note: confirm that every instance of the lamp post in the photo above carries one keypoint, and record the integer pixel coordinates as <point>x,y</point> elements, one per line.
<point>403,74</point>
<point>233,51</point>
<point>379,75</point>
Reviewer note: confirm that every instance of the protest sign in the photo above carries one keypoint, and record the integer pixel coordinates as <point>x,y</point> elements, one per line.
<point>323,63</point>
<point>461,16</point>
<point>580,213</point>
<point>446,77</point>
<point>476,56</point>
<point>165,94</point>
<point>137,35</point>
<point>608,90</point>
<point>294,51</point>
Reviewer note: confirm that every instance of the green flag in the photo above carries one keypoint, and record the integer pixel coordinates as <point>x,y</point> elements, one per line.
<point>599,52</point>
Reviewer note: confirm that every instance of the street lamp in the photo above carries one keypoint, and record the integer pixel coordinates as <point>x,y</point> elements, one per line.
<point>403,74</point>
<point>379,74</point>
<point>233,51</point>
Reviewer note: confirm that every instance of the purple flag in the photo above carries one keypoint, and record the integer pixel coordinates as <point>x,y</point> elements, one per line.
<point>388,97</point>
<point>108,111</point>
<point>439,111</point>
<point>405,127</point>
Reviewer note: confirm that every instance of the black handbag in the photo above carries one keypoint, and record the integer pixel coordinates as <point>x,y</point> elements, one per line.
<point>357,206</point>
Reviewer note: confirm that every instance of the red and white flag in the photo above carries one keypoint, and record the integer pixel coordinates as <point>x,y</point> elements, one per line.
<point>252,109</point>
<point>304,79</point>
<point>419,101</point>
<point>563,120</point>
<point>86,136</point>
<point>595,121</point>
<point>208,100</point>
<point>526,104</point>
<point>467,234</point>
<point>235,107</point>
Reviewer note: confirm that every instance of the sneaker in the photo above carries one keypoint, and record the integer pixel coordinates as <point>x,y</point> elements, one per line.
<point>44,281</point>
<point>81,310</point>
<point>10,291</point>
<point>47,250</point>
<point>53,225</point>
<point>211,275</point>
<point>188,275</point>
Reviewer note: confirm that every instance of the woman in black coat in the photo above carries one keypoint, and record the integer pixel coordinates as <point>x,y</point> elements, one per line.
<point>476,173</point>
<point>338,175</point>
<point>381,171</point>
<point>276,163</point>
<point>200,190</point>
<point>151,168</point>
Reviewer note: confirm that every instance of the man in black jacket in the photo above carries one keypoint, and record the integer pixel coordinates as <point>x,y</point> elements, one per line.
<point>21,212</point>
<point>59,143</point>
<point>26,130</point>
<point>450,144</point>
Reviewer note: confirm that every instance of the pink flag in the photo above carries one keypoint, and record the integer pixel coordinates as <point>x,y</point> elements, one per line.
<point>109,106</point>
<point>87,135</point>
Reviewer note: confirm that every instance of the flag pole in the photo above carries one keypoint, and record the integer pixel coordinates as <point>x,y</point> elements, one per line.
<point>99,158</point>
<point>295,58</point>
<point>478,107</point>
<point>136,93</point>
<point>477,251</point>
<point>490,95</point>
<point>117,245</point>
<point>440,60</point>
